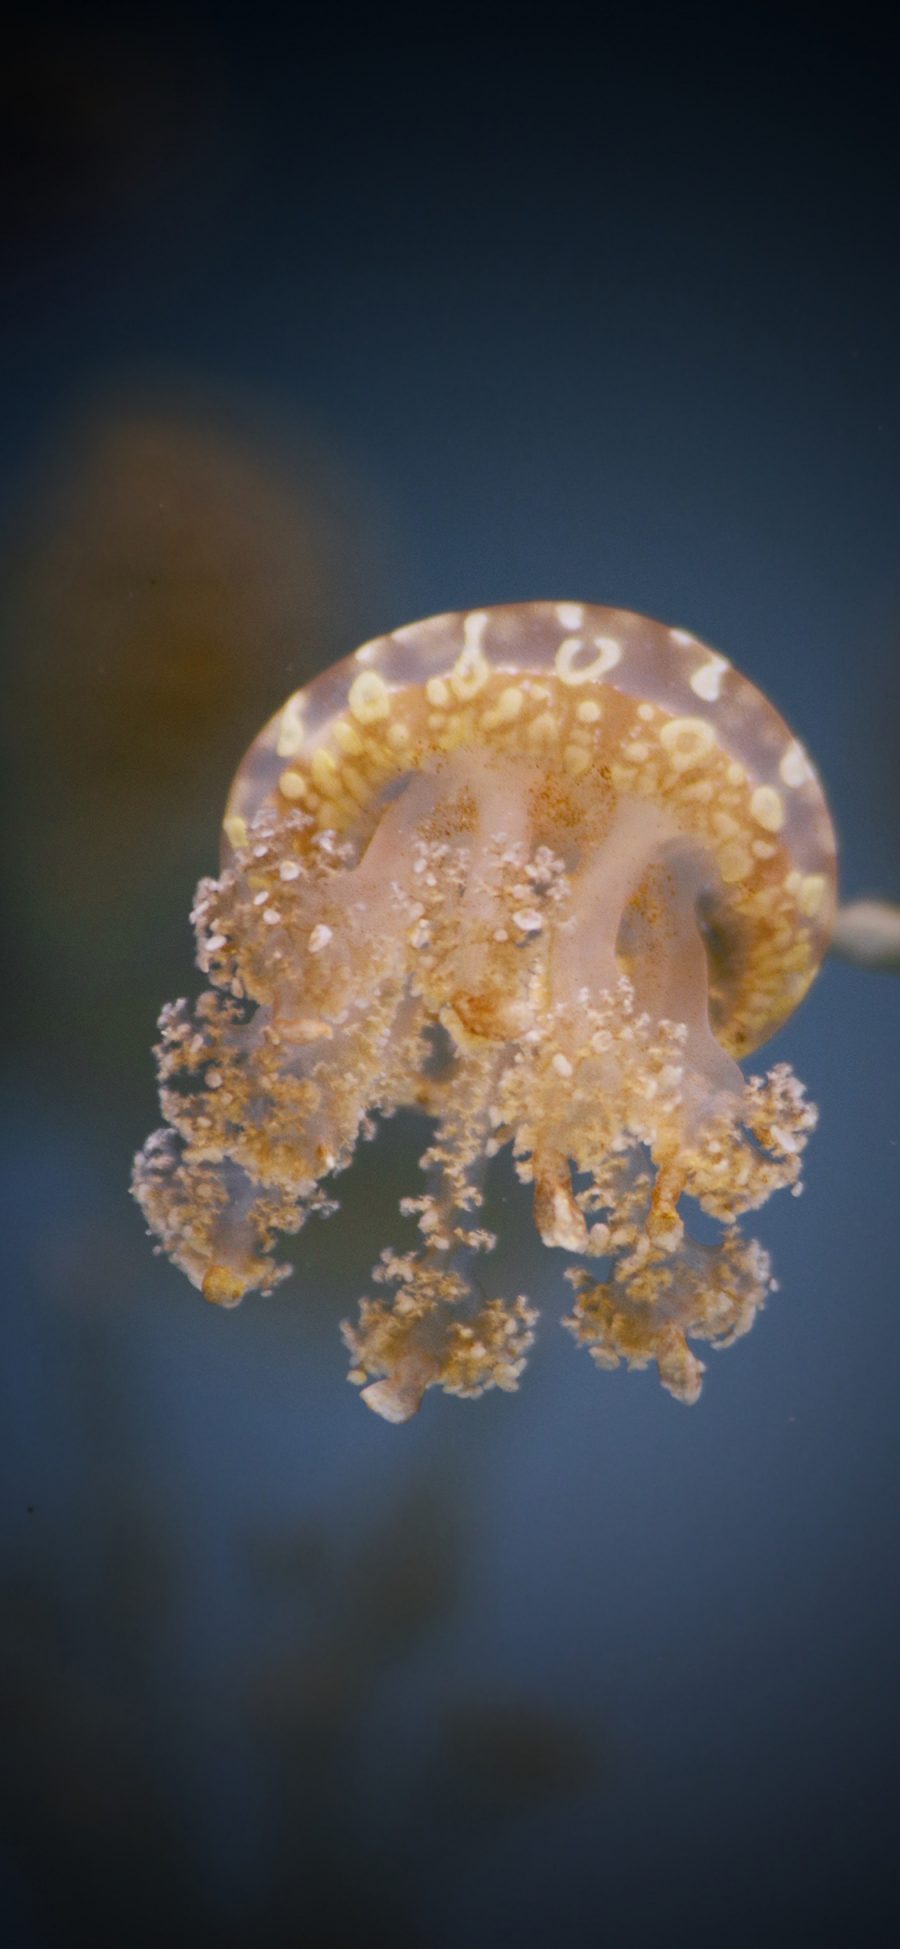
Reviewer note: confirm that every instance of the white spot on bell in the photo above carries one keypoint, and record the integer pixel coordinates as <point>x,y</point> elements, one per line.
<point>706,681</point>
<point>795,768</point>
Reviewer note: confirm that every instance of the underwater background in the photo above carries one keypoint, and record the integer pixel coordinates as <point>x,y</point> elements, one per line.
<point>307,334</point>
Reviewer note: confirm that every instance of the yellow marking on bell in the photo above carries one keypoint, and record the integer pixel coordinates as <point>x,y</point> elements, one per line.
<point>471,670</point>
<point>438,693</point>
<point>453,732</point>
<point>507,708</point>
<point>355,784</point>
<point>399,736</point>
<point>235,829</point>
<point>767,808</point>
<point>576,760</point>
<point>292,785</point>
<point>325,773</point>
<point>347,738</point>
<point>647,781</point>
<point>369,697</point>
<point>571,614</point>
<point>686,741</point>
<point>607,653</point>
<point>589,711</point>
<point>813,889</point>
<point>290,727</point>
<point>377,763</point>
<point>543,729</point>
<point>734,862</point>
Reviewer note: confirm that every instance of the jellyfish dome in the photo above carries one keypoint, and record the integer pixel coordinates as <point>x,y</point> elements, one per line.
<point>545,872</point>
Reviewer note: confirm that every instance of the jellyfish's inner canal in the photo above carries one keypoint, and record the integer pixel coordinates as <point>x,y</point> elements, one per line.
<point>523,957</point>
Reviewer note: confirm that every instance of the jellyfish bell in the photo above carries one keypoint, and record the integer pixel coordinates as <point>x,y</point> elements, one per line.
<point>546,871</point>
<point>585,725</point>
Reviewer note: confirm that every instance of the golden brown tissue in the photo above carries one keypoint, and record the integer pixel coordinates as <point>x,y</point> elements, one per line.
<point>546,872</point>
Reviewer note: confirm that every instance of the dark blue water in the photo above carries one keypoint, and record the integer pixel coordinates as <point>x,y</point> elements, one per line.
<point>302,341</point>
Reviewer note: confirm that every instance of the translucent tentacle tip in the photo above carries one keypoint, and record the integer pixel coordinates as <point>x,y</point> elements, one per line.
<point>545,872</point>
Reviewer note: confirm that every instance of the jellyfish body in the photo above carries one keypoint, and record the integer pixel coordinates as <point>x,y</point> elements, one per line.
<point>545,872</point>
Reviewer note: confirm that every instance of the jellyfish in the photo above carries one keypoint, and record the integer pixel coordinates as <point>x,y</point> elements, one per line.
<point>545,873</point>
